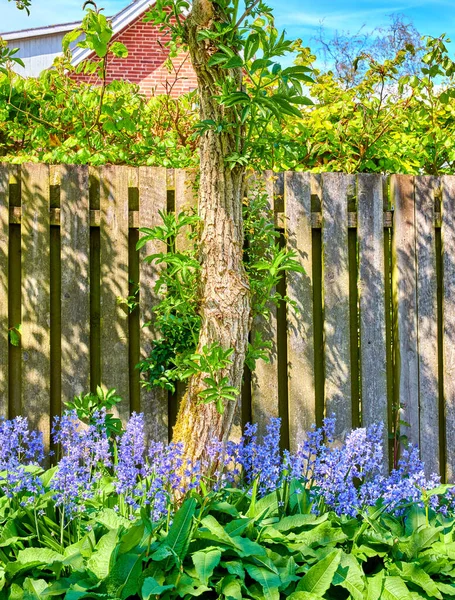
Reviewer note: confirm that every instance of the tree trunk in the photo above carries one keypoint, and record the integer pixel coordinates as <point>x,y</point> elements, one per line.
<point>224,290</point>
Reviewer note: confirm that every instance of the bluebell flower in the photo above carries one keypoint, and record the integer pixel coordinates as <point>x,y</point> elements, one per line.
<point>85,455</point>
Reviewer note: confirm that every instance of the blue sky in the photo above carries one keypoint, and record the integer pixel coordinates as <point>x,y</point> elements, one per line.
<point>300,18</point>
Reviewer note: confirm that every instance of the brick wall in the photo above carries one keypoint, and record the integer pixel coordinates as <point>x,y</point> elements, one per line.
<point>145,64</point>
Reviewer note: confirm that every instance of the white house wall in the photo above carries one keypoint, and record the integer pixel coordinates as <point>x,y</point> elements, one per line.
<point>37,53</point>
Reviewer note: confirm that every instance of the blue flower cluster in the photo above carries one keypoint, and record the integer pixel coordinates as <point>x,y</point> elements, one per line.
<point>20,451</point>
<point>346,478</point>
<point>85,456</point>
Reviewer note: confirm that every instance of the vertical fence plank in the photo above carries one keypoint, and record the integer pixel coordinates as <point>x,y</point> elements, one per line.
<point>4,243</point>
<point>185,199</point>
<point>114,282</point>
<point>35,401</point>
<point>75,294</point>
<point>336,299</point>
<point>427,325</point>
<point>152,198</point>
<point>405,304</point>
<point>301,382</point>
<point>448,297</point>
<point>264,380</point>
<point>370,224</point>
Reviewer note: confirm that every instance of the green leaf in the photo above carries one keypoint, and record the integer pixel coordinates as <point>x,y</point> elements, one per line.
<point>34,588</point>
<point>178,538</point>
<point>374,586</point>
<point>319,577</point>
<point>395,589</point>
<point>205,562</point>
<point>118,49</point>
<point>34,557</point>
<point>152,588</point>
<point>100,561</point>
<point>123,578</point>
<point>270,581</point>
<point>350,576</point>
<point>411,572</point>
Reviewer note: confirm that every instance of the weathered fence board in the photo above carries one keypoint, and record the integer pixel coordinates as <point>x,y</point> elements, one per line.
<point>372,300</point>
<point>264,381</point>
<point>405,299</point>
<point>152,199</point>
<point>185,199</point>
<point>114,282</point>
<point>75,292</point>
<point>92,219</point>
<point>427,322</point>
<point>448,241</point>
<point>301,384</point>
<point>35,228</point>
<point>4,251</point>
<point>336,300</point>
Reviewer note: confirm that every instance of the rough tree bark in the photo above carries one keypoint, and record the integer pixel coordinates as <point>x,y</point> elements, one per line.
<point>224,292</point>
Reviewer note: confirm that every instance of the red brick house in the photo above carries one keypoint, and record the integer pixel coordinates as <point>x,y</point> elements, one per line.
<point>146,64</point>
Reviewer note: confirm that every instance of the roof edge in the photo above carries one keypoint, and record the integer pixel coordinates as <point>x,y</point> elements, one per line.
<point>39,31</point>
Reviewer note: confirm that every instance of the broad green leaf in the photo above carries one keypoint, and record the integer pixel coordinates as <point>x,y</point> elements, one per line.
<point>111,520</point>
<point>205,563</point>
<point>34,557</point>
<point>295,521</point>
<point>269,581</point>
<point>100,561</point>
<point>231,588</point>
<point>217,530</point>
<point>123,578</point>
<point>152,588</point>
<point>319,577</point>
<point>178,538</point>
<point>411,572</point>
<point>34,588</point>
<point>350,576</point>
<point>395,589</point>
<point>445,588</point>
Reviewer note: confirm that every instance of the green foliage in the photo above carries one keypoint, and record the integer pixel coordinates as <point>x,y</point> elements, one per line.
<point>14,335</point>
<point>251,86</point>
<point>383,121</point>
<point>88,405</point>
<point>55,119</point>
<point>8,57</point>
<point>173,357</point>
<point>230,546</point>
<point>176,315</point>
<point>23,5</point>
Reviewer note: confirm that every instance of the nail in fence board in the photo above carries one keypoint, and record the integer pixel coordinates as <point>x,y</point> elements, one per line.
<point>75,290</point>
<point>114,282</point>
<point>336,299</point>
<point>448,242</point>
<point>370,228</point>
<point>4,241</point>
<point>300,341</point>
<point>264,380</point>
<point>152,198</point>
<point>427,311</point>
<point>35,234</point>
<point>405,305</point>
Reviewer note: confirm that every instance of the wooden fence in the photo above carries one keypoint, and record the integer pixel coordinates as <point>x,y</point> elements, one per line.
<point>376,320</point>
